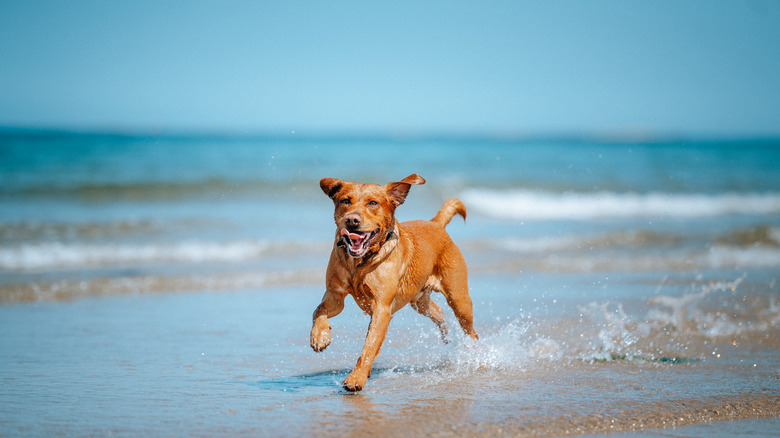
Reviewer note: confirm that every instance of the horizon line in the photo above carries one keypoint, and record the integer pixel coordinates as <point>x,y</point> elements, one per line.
<point>614,136</point>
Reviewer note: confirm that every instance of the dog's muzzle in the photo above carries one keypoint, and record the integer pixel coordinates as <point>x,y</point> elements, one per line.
<point>357,243</point>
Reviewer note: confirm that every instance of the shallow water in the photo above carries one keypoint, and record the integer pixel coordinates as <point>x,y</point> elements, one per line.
<point>238,362</point>
<point>164,286</point>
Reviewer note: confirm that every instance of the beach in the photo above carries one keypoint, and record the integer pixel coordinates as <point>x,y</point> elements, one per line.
<point>164,286</point>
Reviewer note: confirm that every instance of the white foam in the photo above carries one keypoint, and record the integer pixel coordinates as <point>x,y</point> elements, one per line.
<point>537,205</point>
<point>774,234</point>
<point>68,255</point>
<point>588,252</point>
<point>756,256</point>
<point>541,244</point>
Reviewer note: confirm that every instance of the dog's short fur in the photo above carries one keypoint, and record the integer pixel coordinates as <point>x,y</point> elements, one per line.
<point>385,265</point>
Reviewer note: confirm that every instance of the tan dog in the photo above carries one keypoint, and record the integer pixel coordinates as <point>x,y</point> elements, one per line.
<point>385,265</point>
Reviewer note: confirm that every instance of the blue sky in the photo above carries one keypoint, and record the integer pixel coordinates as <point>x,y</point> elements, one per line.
<point>480,67</point>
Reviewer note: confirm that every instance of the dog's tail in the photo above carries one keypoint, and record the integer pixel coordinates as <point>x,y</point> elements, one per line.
<point>448,210</point>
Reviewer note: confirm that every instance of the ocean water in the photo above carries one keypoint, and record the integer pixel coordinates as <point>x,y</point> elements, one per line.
<point>164,285</point>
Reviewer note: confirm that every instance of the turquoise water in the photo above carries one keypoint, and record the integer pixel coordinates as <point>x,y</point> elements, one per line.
<point>164,286</point>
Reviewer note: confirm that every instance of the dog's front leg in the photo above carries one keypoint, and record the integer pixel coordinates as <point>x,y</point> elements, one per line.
<point>380,320</point>
<point>332,304</point>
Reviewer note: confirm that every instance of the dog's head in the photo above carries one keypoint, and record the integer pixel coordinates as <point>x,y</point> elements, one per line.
<point>365,212</point>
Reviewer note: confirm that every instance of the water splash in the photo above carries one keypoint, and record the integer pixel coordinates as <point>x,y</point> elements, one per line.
<point>616,334</point>
<point>715,311</point>
<point>669,329</point>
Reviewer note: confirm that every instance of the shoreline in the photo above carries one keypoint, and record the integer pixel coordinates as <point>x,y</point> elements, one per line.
<point>752,426</point>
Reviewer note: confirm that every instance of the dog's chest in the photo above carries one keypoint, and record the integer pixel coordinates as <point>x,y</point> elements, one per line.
<point>363,295</point>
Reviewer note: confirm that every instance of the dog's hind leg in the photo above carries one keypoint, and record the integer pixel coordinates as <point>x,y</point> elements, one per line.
<point>455,287</point>
<point>427,307</point>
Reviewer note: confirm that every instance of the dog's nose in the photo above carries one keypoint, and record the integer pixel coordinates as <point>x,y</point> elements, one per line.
<point>352,220</point>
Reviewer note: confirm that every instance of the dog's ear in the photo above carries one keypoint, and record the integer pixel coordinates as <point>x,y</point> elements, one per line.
<point>331,186</point>
<point>398,190</point>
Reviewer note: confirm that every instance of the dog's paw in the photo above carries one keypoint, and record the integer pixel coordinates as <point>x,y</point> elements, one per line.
<point>354,382</point>
<point>320,339</point>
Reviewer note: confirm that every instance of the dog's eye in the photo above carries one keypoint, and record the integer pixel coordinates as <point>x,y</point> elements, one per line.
<point>346,201</point>
<point>372,203</point>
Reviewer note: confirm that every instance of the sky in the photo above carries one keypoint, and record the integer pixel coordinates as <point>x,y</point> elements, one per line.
<point>625,67</point>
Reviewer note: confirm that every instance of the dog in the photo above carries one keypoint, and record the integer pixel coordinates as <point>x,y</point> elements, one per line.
<point>386,265</point>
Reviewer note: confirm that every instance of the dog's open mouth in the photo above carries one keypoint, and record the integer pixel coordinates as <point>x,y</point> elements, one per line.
<point>357,243</point>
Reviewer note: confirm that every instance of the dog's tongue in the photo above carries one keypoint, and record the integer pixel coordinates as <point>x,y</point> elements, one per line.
<point>355,239</point>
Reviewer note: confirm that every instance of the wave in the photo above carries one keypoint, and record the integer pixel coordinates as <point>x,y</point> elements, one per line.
<point>70,289</point>
<point>632,238</point>
<point>639,250</point>
<point>540,205</point>
<point>625,250</point>
<point>730,257</point>
<point>760,236</point>
<point>137,191</point>
<point>71,255</point>
<point>38,230</point>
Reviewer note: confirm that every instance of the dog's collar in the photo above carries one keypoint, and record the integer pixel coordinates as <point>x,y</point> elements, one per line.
<point>370,255</point>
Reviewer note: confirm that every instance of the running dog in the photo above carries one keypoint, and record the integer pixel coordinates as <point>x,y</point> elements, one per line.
<point>386,265</point>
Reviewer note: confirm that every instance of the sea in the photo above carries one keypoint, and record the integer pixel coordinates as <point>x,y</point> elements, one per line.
<point>163,285</point>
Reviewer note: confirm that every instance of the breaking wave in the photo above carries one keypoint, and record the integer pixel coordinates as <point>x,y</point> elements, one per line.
<point>538,205</point>
<point>639,250</point>
<point>47,255</point>
<point>627,250</point>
